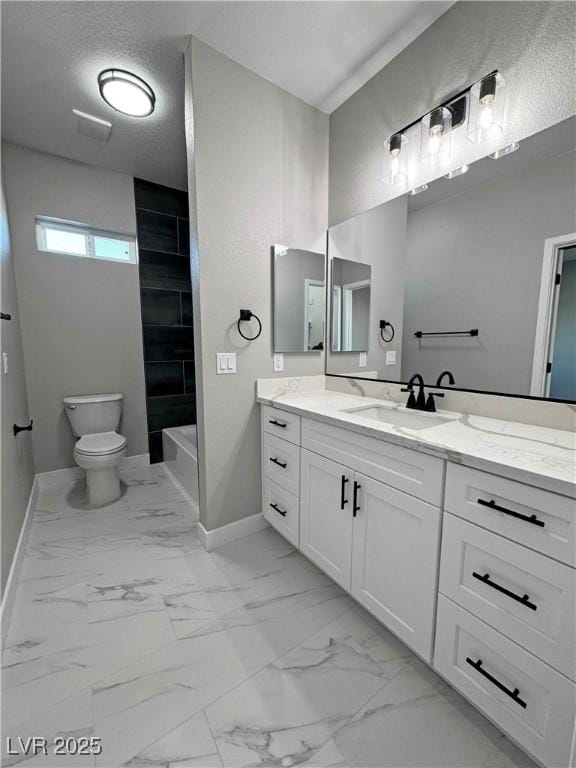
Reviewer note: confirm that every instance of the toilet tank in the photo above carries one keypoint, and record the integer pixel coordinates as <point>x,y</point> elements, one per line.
<point>89,414</point>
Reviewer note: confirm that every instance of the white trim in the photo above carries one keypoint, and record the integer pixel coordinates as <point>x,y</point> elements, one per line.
<point>12,581</point>
<point>547,307</point>
<point>219,536</point>
<point>60,477</point>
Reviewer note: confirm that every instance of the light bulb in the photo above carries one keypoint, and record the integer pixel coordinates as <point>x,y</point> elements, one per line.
<point>434,143</point>
<point>394,168</point>
<point>486,118</point>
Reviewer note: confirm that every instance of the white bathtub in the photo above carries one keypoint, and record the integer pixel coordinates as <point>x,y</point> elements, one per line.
<point>181,456</point>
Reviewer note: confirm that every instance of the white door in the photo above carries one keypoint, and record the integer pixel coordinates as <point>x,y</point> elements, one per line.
<point>326,515</point>
<point>395,560</point>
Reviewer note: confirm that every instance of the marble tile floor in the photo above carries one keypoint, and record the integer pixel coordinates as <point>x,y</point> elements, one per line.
<point>124,628</point>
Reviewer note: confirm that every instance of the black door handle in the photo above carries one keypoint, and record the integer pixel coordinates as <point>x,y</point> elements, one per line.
<point>343,499</point>
<point>277,423</point>
<point>514,695</point>
<point>280,463</point>
<point>5,316</point>
<point>524,600</point>
<point>276,508</point>
<point>528,518</point>
<point>355,505</point>
<point>17,429</point>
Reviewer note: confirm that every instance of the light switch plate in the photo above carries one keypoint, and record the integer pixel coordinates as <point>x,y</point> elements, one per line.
<point>278,362</point>
<point>225,363</point>
<point>362,360</point>
<point>391,357</point>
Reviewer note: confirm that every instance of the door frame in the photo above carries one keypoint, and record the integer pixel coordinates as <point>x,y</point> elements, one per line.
<point>308,281</point>
<point>547,311</point>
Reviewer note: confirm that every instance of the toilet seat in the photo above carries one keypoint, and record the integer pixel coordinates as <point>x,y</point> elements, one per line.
<point>100,444</point>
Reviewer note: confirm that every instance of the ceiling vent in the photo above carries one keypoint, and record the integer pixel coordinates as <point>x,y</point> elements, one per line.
<point>92,126</point>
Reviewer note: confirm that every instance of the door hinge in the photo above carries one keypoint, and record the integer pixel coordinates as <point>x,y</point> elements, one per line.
<point>558,278</point>
<point>548,367</point>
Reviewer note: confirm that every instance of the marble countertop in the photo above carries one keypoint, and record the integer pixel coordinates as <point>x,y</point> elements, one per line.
<point>538,456</point>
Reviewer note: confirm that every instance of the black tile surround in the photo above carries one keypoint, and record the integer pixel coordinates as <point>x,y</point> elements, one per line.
<point>166,299</point>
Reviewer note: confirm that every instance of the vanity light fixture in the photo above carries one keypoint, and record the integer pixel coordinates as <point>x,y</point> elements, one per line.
<point>418,190</point>
<point>507,150</point>
<point>126,92</point>
<point>457,172</point>
<point>395,159</point>
<point>436,141</point>
<point>486,118</point>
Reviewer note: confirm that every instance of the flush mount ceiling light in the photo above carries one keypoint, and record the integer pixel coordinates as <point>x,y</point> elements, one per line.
<point>126,93</point>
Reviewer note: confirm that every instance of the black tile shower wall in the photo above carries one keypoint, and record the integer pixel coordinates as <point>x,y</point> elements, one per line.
<point>166,299</point>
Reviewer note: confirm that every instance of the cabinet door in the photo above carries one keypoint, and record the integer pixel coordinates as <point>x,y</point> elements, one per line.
<point>326,515</point>
<point>395,561</point>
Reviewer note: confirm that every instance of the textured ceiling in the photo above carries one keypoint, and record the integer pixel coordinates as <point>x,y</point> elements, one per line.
<point>52,52</point>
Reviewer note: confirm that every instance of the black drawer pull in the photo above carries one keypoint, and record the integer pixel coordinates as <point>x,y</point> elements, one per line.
<point>282,464</point>
<point>355,505</point>
<point>280,511</point>
<point>528,518</point>
<point>524,600</point>
<point>514,695</point>
<point>343,499</point>
<point>277,423</point>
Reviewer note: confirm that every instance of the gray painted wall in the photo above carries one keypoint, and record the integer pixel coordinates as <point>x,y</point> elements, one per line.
<point>474,260</point>
<point>531,42</point>
<point>17,466</point>
<point>258,158</point>
<point>376,237</point>
<point>80,318</point>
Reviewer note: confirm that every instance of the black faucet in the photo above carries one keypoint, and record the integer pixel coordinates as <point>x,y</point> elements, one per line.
<point>450,378</point>
<point>418,402</point>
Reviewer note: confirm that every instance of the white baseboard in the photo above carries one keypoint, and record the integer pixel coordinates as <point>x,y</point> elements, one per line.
<point>182,490</point>
<point>60,477</point>
<point>220,536</point>
<point>20,551</point>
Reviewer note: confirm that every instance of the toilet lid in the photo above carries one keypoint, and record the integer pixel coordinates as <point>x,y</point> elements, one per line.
<point>100,443</point>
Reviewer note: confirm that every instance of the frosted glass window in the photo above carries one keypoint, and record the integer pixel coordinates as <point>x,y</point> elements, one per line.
<point>71,239</point>
<point>109,248</point>
<point>66,242</point>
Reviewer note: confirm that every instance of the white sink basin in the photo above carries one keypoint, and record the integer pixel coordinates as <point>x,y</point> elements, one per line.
<point>401,417</point>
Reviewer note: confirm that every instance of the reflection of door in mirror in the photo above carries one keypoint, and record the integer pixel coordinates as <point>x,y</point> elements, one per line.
<point>314,320</point>
<point>554,368</point>
<point>351,289</point>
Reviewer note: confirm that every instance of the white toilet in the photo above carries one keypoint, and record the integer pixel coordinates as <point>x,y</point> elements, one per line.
<point>100,449</point>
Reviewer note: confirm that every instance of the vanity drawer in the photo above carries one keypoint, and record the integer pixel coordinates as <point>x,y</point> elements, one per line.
<point>538,519</point>
<point>410,471</point>
<point>281,423</point>
<point>282,510</point>
<point>529,700</point>
<point>281,462</point>
<point>524,595</point>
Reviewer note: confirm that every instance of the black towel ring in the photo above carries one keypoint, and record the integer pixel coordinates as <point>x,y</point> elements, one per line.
<point>245,316</point>
<point>383,325</point>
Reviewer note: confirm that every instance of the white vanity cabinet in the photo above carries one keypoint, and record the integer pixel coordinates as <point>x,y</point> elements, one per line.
<point>473,571</point>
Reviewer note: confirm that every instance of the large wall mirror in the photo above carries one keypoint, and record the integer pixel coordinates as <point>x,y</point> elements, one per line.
<point>476,275</point>
<point>299,306</point>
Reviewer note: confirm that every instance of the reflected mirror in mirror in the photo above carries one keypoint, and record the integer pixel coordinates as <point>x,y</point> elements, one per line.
<point>299,306</point>
<point>475,275</point>
<point>350,305</point>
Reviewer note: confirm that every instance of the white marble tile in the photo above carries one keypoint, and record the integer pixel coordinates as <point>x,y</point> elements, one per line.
<point>191,744</point>
<point>71,717</point>
<point>417,720</point>
<point>284,714</point>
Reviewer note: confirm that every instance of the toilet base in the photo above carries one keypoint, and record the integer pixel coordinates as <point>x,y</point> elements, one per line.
<point>103,486</point>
